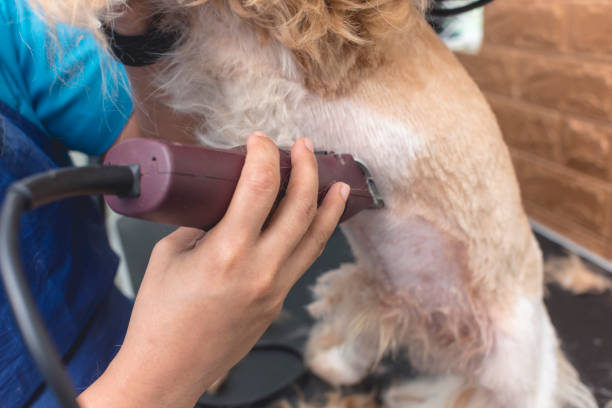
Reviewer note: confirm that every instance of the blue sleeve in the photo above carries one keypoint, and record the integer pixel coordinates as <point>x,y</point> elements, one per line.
<point>73,90</point>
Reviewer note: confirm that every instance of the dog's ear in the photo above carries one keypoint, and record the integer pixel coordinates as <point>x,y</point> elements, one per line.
<point>334,41</point>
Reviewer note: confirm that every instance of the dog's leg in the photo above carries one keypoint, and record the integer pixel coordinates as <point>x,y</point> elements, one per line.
<point>337,359</point>
<point>524,369</point>
<point>344,345</point>
<point>527,367</point>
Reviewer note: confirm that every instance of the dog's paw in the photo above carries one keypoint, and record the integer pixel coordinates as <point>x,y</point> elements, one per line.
<point>331,366</point>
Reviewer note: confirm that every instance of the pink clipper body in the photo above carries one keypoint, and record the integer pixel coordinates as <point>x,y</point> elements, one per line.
<point>193,185</point>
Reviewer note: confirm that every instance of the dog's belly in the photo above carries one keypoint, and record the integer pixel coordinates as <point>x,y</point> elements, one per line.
<point>412,258</point>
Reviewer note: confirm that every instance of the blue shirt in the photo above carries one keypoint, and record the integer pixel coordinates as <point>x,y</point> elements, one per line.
<point>72,91</point>
<point>75,95</point>
<point>70,268</point>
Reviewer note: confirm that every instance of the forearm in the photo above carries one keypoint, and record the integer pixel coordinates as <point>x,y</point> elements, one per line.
<point>128,384</point>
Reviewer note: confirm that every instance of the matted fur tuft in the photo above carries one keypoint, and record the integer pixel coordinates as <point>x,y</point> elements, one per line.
<point>333,40</point>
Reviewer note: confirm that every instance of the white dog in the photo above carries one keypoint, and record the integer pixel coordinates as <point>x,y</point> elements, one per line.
<point>450,269</point>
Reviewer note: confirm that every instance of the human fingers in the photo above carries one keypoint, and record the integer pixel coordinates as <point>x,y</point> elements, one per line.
<point>298,207</point>
<point>315,239</point>
<point>256,190</point>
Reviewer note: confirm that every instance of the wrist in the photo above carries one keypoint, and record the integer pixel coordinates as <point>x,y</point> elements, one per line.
<point>133,381</point>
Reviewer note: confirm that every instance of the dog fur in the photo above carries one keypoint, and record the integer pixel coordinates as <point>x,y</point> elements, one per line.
<point>450,270</point>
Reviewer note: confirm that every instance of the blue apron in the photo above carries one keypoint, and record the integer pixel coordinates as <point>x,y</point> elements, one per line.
<point>70,267</point>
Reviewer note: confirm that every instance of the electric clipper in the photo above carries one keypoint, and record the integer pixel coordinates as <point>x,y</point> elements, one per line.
<point>193,185</point>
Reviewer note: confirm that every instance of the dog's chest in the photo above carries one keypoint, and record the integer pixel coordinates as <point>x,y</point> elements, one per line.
<point>235,82</point>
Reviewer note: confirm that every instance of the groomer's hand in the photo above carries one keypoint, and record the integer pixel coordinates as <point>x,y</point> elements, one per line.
<point>207,298</point>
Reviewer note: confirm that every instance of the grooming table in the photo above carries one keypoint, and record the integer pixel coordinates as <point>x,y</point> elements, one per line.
<point>583,323</point>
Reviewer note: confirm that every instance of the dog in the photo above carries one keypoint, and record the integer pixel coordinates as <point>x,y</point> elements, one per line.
<point>450,270</point>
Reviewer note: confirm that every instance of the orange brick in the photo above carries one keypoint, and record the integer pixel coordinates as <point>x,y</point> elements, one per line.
<point>492,70</point>
<point>529,130</point>
<point>567,195</point>
<point>591,27</point>
<point>570,86</point>
<point>587,147</point>
<point>533,25</point>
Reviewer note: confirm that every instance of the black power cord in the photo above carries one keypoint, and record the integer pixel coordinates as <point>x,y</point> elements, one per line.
<point>448,12</point>
<point>28,194</point>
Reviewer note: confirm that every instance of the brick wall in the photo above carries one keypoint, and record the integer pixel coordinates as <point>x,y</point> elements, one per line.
<point>546,69</point>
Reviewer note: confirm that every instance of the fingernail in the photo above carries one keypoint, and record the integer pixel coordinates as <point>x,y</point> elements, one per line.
<point>308,144</point>
<point>258,133</point>
<point>345,191</point>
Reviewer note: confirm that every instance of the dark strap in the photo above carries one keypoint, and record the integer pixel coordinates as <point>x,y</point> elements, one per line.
<point>145,49</point>
<point>448,12</point>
